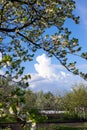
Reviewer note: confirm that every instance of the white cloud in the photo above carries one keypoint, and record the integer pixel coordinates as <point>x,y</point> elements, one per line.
<point>46,69</point>
<point>51,77</point>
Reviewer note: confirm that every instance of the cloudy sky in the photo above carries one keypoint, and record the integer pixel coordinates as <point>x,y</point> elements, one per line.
<point>52,77</point>
<point>46,73</point>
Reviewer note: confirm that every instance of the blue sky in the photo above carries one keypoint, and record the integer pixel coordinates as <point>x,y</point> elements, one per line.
<point>46,73</point>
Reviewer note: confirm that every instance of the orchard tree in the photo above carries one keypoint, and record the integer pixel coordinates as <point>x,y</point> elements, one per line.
<point>40,100</point>
<point>45,101</point>
<point>76,100</point>
<point>30,99</point>
<point>23,25</point>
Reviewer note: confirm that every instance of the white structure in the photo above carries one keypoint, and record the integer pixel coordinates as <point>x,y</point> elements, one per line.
<point>51,112</point>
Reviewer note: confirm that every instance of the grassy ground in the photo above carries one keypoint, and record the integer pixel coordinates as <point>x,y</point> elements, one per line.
<point>63,126</point>
<point>75,125</point>
<point>60,126</point>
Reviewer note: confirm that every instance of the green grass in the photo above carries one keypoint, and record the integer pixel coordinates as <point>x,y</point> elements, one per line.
<point>55,127</point>
<point>61,128</point>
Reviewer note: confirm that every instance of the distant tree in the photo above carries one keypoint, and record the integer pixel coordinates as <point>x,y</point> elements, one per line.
<point>23,24</point>
<point>48,101</point>
<point>76,100</point>
<point>30,100</point>
<point>58,103</point>
<point>40,100</point>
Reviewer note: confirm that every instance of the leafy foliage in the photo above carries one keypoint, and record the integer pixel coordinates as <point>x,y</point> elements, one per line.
<point>16,104</point>
<point>22,33</point>
<point>11,102</point>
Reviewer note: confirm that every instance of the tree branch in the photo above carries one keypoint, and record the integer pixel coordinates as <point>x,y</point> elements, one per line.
<point>37,45</point>
<point>61,62</point>
<point>19,28</point>
<point>19,1</point>
<point>23,2</point>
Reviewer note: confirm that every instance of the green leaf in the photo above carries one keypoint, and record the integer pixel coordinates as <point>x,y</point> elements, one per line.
<point>76,71</point>
<point>7,58</point>
<point>1,104</point>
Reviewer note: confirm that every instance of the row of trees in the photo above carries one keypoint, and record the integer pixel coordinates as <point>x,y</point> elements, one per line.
<point>75,101</point>
<point>23,105</point>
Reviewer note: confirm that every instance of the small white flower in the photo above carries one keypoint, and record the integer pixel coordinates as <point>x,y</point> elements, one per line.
<point>11,110</point>
<point>33,127</point>
<point>59,37</point>
<point>17,30</point>
<point>54,37</point>
<point>74,43</point>
<point>8,63</point>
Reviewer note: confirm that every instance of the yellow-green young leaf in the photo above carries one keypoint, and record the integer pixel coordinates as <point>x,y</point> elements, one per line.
<point>1,104</point>
<point>7,58</point>
<point>1,39</point>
